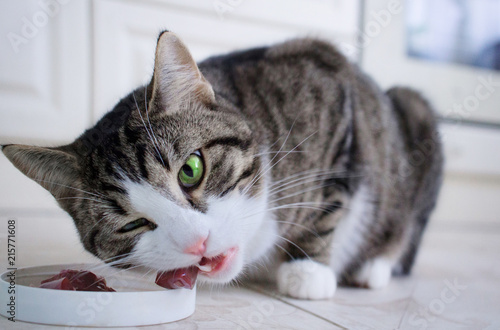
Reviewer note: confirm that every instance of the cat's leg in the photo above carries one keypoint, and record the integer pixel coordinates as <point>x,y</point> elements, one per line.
<point>306,279</point>
<point>396,246</point>
<point>381,256</point>
<point>376,270</point>
<point>405,262</point>
<point>375,273</point>
<point>410,247</point>
<point>418,121</point>
<point>308,273</point>
<point>362,253</point>
<point>378,255</point>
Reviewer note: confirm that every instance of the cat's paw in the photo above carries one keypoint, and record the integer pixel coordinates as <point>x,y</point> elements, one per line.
<point>306,279</point>
<point>375,273</point>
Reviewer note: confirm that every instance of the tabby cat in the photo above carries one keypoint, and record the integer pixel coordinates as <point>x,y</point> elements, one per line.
<point>285,155</point>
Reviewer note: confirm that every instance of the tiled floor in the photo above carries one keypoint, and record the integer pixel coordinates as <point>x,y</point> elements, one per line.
<point>455,284</point>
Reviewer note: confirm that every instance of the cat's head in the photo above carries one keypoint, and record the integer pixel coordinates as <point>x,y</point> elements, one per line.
<point>168,177</point>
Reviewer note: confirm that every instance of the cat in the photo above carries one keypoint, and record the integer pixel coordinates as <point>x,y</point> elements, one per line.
<point>285,155</point>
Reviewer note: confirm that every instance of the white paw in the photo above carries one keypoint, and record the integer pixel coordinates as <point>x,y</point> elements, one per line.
<point>306,279</point>
<point>375,273</point>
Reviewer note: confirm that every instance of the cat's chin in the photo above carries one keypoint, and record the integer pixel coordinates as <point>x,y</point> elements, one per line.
<point>225,270</point>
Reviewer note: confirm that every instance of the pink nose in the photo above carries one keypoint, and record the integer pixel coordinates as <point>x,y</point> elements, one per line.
<point>198,248</point>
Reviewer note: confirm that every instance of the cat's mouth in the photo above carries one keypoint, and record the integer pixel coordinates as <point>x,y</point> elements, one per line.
<point>186,277</point>
<point>212,266</point>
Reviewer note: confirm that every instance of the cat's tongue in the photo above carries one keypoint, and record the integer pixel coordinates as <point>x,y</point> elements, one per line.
<point>186,277</point>
<point>178,278</point>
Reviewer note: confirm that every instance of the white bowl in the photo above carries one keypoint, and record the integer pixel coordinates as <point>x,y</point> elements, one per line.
<point>138,300</point>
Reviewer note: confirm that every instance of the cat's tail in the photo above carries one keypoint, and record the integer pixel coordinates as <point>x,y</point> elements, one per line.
<point>418,124</point>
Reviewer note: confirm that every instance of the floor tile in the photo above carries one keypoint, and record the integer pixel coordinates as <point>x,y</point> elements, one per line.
<point>454,284</point>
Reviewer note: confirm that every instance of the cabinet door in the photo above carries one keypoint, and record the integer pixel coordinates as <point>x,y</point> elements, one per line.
<point>126,32</point>
<point>44,85</point>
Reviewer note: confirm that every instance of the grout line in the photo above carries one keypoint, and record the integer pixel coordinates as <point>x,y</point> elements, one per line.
<point>411,298</point>
<point>257,289</point>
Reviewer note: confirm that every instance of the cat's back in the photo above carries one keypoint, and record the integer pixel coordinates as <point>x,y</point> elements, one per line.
<point>291,65</point>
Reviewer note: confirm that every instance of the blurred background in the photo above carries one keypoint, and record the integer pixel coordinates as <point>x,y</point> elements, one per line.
<point>64,63</point>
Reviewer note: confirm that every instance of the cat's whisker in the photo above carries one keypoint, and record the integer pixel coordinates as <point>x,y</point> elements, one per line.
<point>145,127</point>
<point>277,140</point>
<point>305,205</point>
<point>276,152</point>
<point>120,271</point>
<point>96,194</point>
<point>312,172</point>
<point>78,275</point>
<point>300,192</point>
<point>111,276</point>
<point>114,270</point>
<point>314,232</point>
<point>253,266</point>
<point>264,168</point>
<point>146,274</point>
<point>89,231</point>
<point>288,153</point>
<point>109,261</point>
<point>112,273</point>
<point>84,198</point>
<point>311,180</point>
<point>284,250</point>
<point>294,244</point>
<point>316,171</point>
<point>302,181</point>
<point>149,122</point>
<point>309,207</point>
<point>286,188</point>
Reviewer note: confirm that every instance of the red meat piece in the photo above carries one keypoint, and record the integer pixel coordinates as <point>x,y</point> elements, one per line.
<point>76,280</point>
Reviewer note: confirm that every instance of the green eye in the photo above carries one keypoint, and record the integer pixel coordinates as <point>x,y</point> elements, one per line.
<point>191,172</point>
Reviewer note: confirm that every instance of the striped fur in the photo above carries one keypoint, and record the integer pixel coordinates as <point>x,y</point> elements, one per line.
<point>296,143</point>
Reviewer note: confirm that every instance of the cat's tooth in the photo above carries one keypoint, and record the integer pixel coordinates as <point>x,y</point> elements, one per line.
<point>205,268</point>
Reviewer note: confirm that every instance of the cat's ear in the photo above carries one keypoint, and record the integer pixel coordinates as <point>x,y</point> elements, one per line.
<point>54,169</point>
<point>176,76</point>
